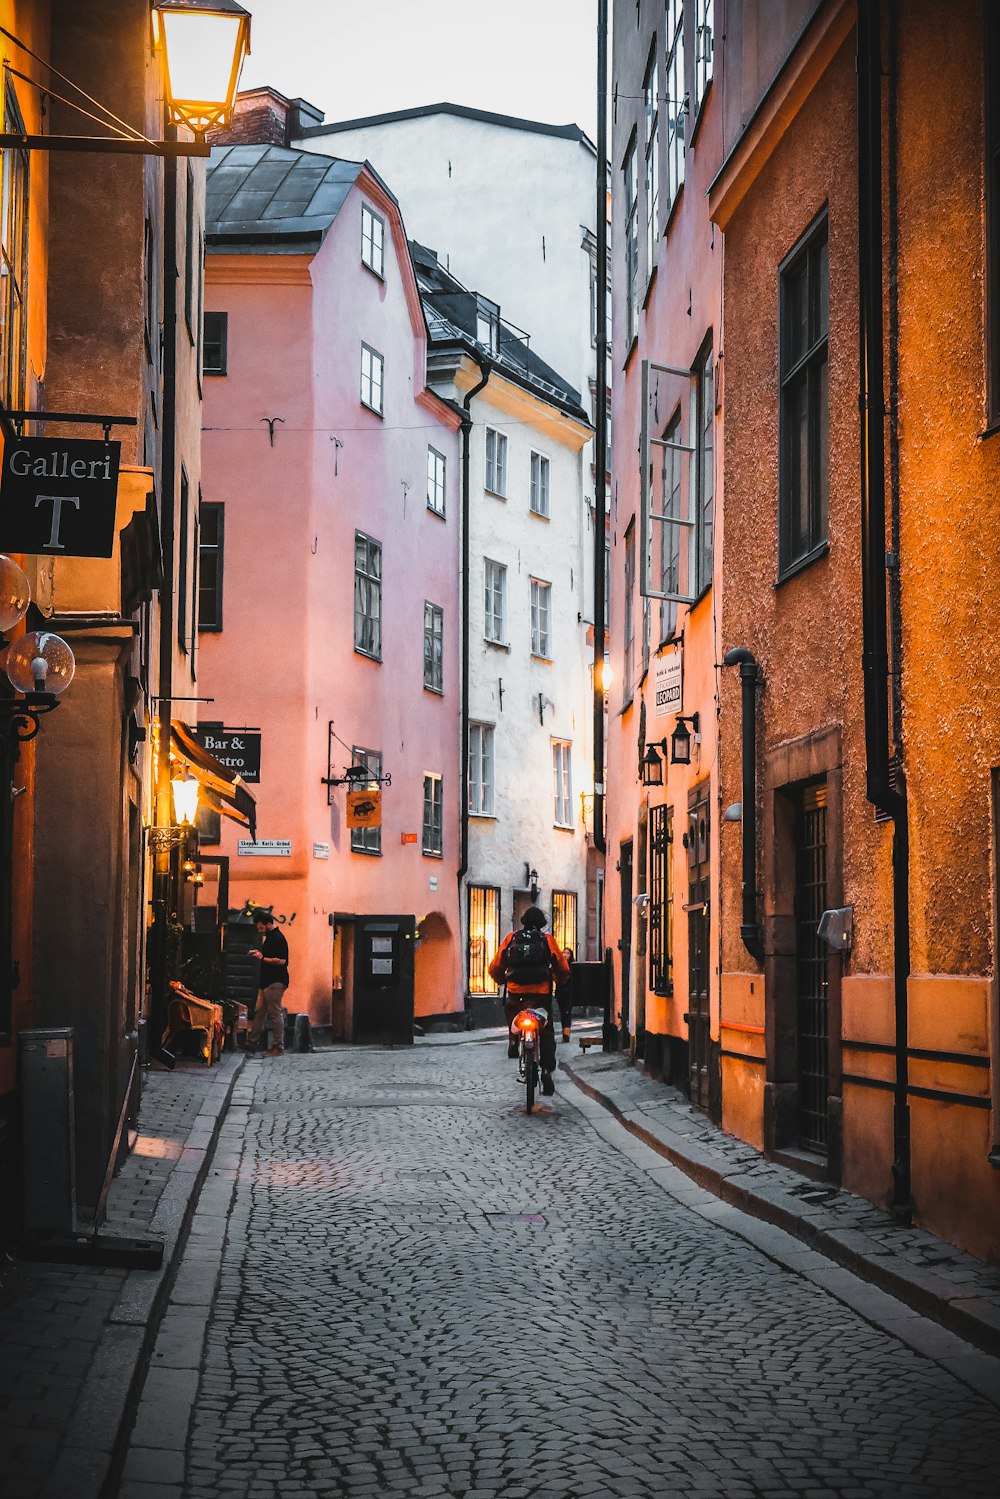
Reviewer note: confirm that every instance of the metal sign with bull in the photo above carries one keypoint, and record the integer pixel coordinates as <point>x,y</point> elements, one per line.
<point>364,808</point>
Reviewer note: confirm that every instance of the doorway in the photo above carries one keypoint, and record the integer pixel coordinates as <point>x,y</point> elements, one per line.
<point>812,986</point>
<point>383,979</point>
<point>699,913</point>
<point>625,945</point>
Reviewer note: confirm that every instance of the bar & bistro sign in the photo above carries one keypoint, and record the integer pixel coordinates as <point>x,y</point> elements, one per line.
<point>58,496</point>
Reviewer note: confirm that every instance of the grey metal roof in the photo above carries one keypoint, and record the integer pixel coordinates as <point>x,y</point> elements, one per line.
<point>462,112</point>
<point>451,311</point>
<point>259,196</point>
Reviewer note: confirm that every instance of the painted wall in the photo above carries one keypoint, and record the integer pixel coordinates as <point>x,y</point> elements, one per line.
<point>285,659</point>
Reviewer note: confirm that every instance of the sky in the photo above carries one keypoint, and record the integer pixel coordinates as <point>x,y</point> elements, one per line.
<point>532,58</point>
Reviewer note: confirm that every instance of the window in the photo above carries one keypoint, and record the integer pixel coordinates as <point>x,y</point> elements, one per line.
<point>210,549</point>
<point>484,936</point>
<point>676,100</point>
<point>432,836</point>
<point>367,596</point>
<point>704,49</point>
<point>496,462</point>
<point>661,900</point>
<point>496,602</point>
<point>629,667</point>
<point>562,784</point>
<point>631,244</point>
<point>670,540</point>
<point>539,502</point>
<point>705,472</point>
<point>183,568</point>
<point>993,211</point>
<point>564,920</point>
<point>14,263</point>
<point>488,324</point>
<point>189,242</point>
<point>372,240</point>
<point>481,770</point>
<point>435,481</point>
<point>652,161</point>
<point>804,469</point>
<point>433,647</point>
<point>372,366</point>
<point>541,598</point>
<point>216,343</point>
<point>367,840</point>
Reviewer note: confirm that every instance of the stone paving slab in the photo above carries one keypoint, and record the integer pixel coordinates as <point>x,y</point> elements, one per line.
<point>928,1274</point>
<point>72,1337</point>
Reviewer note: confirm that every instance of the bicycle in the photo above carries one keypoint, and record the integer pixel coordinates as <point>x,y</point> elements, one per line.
<point>529,1025</point>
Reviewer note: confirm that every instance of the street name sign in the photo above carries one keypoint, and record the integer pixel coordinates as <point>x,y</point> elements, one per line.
<point>58,497</point>
<point>275,848</point>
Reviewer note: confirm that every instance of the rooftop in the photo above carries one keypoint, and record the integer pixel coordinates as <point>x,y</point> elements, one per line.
<point>274,195</point>
<point>462,112</point>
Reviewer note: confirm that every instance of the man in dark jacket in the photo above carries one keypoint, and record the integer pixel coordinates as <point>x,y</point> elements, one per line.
<point>272,956</point>
<point>528,965</point>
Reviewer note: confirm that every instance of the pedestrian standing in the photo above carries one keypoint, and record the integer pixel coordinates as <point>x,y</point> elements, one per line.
<point>272,957</point>
<point>564,995</point>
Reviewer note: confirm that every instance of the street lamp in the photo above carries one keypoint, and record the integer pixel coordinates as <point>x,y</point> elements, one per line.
<point>203,44</point>
<point>185,789</point>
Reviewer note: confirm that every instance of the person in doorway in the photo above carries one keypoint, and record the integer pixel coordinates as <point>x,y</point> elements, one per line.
<point>272,956</point>
<point>527,962</point>
<point>564,996</point>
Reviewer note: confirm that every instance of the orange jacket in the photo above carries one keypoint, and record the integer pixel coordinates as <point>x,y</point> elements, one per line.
<point>560,968</point>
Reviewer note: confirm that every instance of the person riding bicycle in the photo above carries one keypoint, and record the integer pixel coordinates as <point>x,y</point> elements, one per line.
<point>527,962</point>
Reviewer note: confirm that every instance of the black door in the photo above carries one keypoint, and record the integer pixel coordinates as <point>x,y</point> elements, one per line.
<point>811,968</point>
<point>699,909</point>
<point>383,978</point>
<point>625,871</point>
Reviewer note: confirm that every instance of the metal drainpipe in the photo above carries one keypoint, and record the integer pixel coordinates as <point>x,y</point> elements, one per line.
<point>750,929</point>
<point>875,657</point>
<point>601,433</point>
<point>485,369</point>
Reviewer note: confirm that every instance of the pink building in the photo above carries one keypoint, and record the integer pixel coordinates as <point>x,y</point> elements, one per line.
<point>329,604</point>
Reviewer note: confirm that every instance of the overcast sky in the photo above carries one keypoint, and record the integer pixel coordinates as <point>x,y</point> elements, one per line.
<point>533,58</point>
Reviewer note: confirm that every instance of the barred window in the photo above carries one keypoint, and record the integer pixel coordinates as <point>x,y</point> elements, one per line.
<point>484,936</point>
<point>564,920</point>
<point>661,900</point>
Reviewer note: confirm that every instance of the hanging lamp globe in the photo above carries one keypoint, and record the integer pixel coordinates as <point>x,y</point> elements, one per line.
<point>202,44</point>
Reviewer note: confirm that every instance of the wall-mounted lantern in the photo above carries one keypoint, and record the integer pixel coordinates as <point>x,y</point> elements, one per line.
<point>680,739</point>
<point>185,789</point>
<point>652,765</point>
<point>39,664</point>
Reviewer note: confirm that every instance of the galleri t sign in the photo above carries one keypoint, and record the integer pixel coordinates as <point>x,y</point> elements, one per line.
<point>58,497</point>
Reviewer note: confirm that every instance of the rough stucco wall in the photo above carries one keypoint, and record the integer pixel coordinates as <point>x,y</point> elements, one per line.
<point>949,480</point>
<point>807,632</point>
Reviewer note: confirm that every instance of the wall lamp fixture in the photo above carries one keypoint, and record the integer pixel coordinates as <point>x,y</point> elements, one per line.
<point>39,664</point>
<point>680,739</point>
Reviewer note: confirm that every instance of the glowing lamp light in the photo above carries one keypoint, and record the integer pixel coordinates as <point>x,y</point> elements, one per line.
<point>185,789</point>
<point>605,675</point>
<point>203,44</point>
<point>15,593</point>
<point>40,662</point>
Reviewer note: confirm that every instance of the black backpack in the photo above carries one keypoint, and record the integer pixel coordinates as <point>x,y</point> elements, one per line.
<point>528,959</point>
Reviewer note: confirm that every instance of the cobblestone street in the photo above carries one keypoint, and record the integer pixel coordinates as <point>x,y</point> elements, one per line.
<point>398,1283</point>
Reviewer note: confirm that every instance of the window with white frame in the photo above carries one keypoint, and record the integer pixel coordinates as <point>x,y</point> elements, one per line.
<point>433,802</point>
<point>488,324</point>
<point>367,596</point>
<point>539,501</point>
<point>704,49</point>
<point>372,240</point>
<point>628,683</point>
<point>433,647</point>
<point>495,576</point>
<point>496,462</point>
<point>670,539</point>
<point>435,481</point>
<point>481,782</point>
<point>676,99</point>
<point>372,366</point>
<point>630,172</point>
<point>705,475</point>
<point>367,840</point>
<point>652,119</point>
<point>562,783</point>
<point>541,612</point>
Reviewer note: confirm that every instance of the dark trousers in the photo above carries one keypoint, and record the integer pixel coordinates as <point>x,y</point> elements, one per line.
<point>547,1048</point>
<point>564,996</point>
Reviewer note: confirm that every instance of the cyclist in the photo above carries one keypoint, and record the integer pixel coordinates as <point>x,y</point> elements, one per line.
<point>528,961</point>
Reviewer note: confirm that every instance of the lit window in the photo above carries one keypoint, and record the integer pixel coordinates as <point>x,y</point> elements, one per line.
<point>367,596</point>
<point>433,647</point>
<point>562,784</point>
<point>435,481</point>
<point>481,800</point>
<point>14,263</point>
<point>372,240</point>
<point>484,936</point>
<point>564,920</point>
<point>496,602</point>
<point>541,599</point>
<point>496,462</point>
<point>432,836</point>
<point>539,501</point>
<point>372,365</point>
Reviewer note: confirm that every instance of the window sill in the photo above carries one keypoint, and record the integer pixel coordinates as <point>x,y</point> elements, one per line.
<point>379,275</point>
<point>630,352</point>
<point>564,827</point>
<point>484,816</point>
<point>672,212</point>
<point>545,660</point>
<point>368,853</point>
<point>649,288</point>
<point>992,429</point>
<point>699,115</point>
<point>496,645</point>
<point>801,563</point>
<point>494,492</point>
<point>434,691</point>
<point>438,513</point>
<point>214,374</point>
<point>374,411</point>
<point>367,655</point>
<point>538,514</point>
<point>432,853</point>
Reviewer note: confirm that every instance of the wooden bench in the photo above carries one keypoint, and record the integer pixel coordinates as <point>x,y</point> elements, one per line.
<point>587,1041</point>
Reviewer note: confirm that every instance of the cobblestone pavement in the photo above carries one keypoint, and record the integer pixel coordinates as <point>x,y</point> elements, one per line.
<point>399,1284</point>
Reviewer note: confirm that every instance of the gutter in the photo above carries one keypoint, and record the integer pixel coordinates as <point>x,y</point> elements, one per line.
<point>601,433</point>
<point>887,798</point>
<point>485,370</point>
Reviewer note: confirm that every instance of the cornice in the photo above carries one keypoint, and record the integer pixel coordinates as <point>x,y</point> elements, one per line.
<point>258,270</point>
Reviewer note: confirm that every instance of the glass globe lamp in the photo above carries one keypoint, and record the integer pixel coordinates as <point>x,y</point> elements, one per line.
<point>15,593</point>
<point>40,662</point>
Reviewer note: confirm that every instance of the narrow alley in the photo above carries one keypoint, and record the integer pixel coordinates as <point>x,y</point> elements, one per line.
<point>396,1282</point>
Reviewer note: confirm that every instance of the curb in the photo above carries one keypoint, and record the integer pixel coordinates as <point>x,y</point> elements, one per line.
<point>984,1334</point>
<point>89,1457</point>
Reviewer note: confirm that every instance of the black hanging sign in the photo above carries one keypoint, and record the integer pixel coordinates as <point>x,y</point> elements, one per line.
<point>237,749</point>
<point>58,496</point>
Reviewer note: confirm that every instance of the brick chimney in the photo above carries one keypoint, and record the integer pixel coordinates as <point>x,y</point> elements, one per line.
<point>263,117</point>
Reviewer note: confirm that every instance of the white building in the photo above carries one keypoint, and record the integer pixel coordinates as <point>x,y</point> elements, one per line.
<point>529,735</point>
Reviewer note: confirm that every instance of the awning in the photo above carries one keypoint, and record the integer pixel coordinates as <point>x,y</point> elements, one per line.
<point>226,793</point>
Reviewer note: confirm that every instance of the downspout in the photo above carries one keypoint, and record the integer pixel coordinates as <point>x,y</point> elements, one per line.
<point>601,421</point>
<point>884,796</point>
<point>750,930</point>
<point>485,370</point>
<point>168,469</point>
